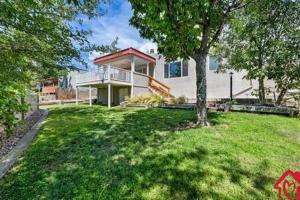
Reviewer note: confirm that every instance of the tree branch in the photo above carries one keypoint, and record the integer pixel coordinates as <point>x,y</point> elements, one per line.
<point>237,4</point>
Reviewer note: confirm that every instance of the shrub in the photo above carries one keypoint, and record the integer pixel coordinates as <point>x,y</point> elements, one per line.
<point>10,103</point>
<point>178,100</point>
<point>232,102</point>
<point>63,94</point>
<point>173,101</point>
<point>147,99</point>
<point>138,99</point>
<point>181,100</point>
<point>156,99</point>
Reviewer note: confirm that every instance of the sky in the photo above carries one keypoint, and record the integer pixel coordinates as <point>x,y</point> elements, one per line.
<point>115,23</point>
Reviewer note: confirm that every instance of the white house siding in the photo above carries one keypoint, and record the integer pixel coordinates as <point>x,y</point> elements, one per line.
<point>179,86</point>
<point>140,79</point>
<point>140,82</point>
<point>140,91</point>
<point>218,84</point>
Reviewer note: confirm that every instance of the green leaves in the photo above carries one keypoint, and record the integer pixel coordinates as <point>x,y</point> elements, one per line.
<point>263,39</point>
<point>40,39</point>
<point>44,34</point>
<point>184,29</point>
<point>10,96</point>
<point>179,27</point>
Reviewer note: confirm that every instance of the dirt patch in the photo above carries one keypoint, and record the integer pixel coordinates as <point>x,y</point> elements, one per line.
<point>7,142</point>
<point>189,125</point>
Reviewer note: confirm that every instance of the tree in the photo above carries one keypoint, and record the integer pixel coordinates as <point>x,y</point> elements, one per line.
<point>37,35</point>
<point>39,38</point>
<point>262,40</point>
<point>284,56</point>
<point>184,29</point>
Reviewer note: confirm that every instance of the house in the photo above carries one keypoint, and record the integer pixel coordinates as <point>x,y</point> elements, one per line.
<point>48,89</point>
<point>61,88</point>
<point>131,72</point>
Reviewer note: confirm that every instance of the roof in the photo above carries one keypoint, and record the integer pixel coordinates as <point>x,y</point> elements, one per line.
<point>48,79</point>
<point>124,53</point>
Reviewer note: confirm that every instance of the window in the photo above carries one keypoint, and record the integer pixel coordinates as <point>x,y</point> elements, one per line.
<point>141,69</point>
<point>213,64</point>
<point>176,69</point>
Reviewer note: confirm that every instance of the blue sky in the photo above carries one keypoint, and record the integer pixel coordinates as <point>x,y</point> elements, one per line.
<point>115,23</point>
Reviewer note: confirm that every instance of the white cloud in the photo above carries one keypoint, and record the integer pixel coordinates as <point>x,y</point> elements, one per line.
<point>146,47</point>
<point>115,23</point>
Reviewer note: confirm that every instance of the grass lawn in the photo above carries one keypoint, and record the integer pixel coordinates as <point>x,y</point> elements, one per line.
<point>135,153</point>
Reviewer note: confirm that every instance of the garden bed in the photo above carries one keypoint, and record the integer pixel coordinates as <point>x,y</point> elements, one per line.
<point>53,102</point>
<point>179,106</point>
<point>281,110</point>
<point>8,142</point>
<point>145,105</point>
<point>266,109</point>
<point>169,106</point>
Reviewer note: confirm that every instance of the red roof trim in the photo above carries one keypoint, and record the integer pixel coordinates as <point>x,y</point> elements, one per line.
<point>123,53</point>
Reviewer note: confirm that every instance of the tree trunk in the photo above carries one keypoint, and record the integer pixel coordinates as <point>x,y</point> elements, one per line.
<point>201,88</point>
<point>261,86</point>
<point>261,90</point>
<point>280,96</point>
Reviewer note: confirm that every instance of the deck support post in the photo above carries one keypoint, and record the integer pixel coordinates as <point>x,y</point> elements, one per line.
<point>76,91</point>
<point>109,96</point>
<point>132,70</point>
<point>90,95</point>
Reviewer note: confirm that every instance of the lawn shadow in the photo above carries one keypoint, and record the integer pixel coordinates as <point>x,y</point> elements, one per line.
<point>96,153</point>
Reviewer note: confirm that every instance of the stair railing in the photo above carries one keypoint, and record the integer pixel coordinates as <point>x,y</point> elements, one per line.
<point>153,83</point>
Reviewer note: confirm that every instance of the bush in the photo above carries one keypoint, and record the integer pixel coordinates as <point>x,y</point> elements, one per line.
<point>138,99</point>
<point>147,99</point>
<point>156,99</point>
<point>10,103</point>
<point>231,102</point>
<point>178,100</point>
<point>63,94</point>
<point>181,100</point>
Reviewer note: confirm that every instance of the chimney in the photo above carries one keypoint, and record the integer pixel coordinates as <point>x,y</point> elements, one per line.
<point>151,51</point>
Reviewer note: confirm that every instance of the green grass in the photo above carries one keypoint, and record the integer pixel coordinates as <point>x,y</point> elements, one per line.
<point>133,153</point>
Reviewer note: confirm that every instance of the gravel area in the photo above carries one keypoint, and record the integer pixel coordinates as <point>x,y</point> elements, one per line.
<point>8,142</point>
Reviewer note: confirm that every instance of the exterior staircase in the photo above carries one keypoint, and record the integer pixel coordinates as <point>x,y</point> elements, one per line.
<point>159,88</point>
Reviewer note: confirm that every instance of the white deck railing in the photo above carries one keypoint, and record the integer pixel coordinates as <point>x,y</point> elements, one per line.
<point>104,73</point>
<point>91,76</point>
<point>120,74</point>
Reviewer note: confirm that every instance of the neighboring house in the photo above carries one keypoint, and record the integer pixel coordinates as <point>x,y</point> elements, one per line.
<point>61,88</point>
<point>48,89</point>
<point>130,72</point>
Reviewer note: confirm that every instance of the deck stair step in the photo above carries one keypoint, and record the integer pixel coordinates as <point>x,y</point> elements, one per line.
<point>159,88</point>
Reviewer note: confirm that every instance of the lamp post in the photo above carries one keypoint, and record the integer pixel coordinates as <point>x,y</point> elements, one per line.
<point>231,95</point>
